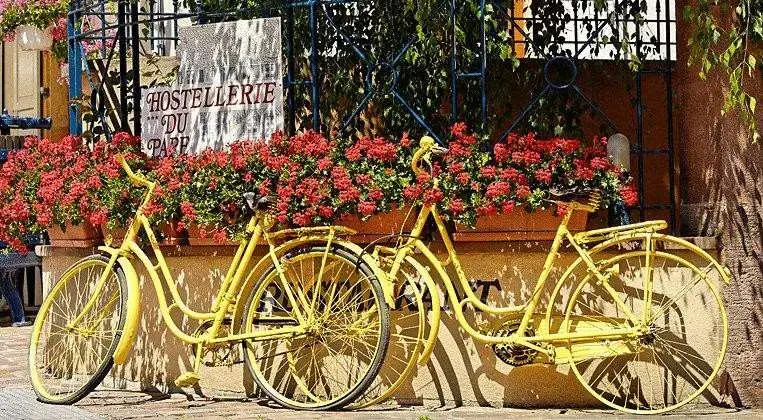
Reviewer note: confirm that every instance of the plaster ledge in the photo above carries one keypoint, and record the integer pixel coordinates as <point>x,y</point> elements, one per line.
<point>704,242</point>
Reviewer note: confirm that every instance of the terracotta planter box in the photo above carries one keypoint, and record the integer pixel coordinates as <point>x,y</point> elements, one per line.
<point>195,238</point>
<point>382,224</point>
<point>518,225</point>
<point>79,236</point>
<point>172,234</point>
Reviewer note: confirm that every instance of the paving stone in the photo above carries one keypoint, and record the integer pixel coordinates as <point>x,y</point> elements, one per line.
<point>23,404</point>
<point>14,343</point>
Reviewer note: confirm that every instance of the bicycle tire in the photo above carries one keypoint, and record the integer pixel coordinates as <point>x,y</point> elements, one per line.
<point>359,386</point>
<point>96,377</point>
<point>409,336</point>
<point>667,348</point>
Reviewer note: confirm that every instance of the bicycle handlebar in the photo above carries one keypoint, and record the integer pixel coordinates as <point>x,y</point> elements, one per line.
<point>135,178</point>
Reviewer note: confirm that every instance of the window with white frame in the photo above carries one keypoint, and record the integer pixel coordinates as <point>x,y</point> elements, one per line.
<point>612,30</point>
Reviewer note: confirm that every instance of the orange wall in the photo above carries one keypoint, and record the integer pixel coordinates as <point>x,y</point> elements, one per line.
<point>56,104</point>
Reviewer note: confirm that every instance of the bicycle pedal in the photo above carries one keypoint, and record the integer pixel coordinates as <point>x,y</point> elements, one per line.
<point>187,379</point>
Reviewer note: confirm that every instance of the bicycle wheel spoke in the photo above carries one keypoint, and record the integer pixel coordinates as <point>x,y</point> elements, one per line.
<point>674,299</point>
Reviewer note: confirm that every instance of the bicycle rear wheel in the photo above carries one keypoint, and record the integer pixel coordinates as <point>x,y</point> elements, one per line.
<point>72,345</point>
<point>333,363</point>
<point>684,333</point>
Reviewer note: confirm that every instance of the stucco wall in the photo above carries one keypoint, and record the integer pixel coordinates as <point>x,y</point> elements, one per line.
<point>722,195</point>
<point>460,370</point>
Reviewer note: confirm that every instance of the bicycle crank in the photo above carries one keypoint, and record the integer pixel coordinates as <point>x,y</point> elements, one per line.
<point>514,354</point>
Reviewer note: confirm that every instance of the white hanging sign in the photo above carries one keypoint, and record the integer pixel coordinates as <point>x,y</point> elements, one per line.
<point>229,87</point>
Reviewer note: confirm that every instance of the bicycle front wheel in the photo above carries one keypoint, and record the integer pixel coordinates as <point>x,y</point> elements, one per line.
<point>684,330</point>
<point>339,303</point>
<point>77,331</point>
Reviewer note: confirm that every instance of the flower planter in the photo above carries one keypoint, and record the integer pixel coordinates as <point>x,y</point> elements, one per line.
<point>113,237</point>
<point>32,38</point>
<point>377,226</point>
<point>172,234</point>
<point>196,237</point>
<point>80,236</point>
<point>518,225</point>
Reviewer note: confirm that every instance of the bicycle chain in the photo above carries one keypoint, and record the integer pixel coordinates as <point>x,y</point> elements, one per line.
<point>514,354</point>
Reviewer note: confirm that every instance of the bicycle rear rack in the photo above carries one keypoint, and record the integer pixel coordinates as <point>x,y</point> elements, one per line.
<point>625,231</point>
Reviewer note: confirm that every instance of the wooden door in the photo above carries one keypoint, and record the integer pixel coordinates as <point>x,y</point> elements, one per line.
<point>21,90</point>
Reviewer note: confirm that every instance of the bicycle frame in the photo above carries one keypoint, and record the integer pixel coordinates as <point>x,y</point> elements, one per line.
<point>230,289</point>
<point>527,309</point>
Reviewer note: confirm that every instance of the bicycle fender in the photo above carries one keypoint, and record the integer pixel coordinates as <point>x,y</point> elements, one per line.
<point>132,322</point>
<point>133,312</point>
<point>434,292</point>
<point>725,272</point>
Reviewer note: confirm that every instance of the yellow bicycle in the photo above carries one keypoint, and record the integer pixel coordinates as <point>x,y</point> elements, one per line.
<point>312,314</point>
<point>637,316</point>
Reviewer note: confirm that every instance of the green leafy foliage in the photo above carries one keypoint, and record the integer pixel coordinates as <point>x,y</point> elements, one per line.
<point>41,14</point>
<point>727,37</point>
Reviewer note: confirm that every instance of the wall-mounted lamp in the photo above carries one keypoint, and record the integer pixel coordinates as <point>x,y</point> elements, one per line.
<point>619,150</point>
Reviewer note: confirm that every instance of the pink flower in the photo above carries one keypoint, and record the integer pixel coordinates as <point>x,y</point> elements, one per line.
<point>508,206</point>
<point>497,189</point>
<point>457,206</point>
<point>543,175</point>
<point>629,195</point>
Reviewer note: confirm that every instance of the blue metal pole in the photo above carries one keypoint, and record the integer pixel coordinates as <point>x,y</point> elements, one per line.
<point>453,64</point>
<point>75,71</point>
<point>314,71</point>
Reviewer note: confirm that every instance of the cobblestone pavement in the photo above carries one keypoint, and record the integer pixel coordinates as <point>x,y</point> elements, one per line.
<point>14,343</point>
<point>17,401</point>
